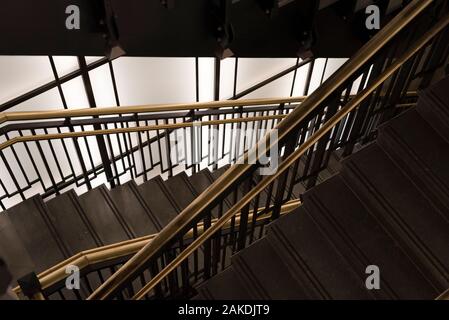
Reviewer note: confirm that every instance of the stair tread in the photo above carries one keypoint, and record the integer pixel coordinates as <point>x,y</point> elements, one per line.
<point>313,260</point>
<point>103,216</point>
<point>333,167</point>
<point>15,253</point>
<point>421,152</point>
<point>398,203</point>
<point>225,286</point>
<point>214,175</point>
<point>265,273</point>
<point>179,190</point>
<point>298,190</point>
<point>217,173</point>
<point>130,205</point>
<point>157,200</point>
<point>34,233</point>
<point>350,224</point>
<point>67,218</point>
<point>200,181</point>
<point>432,106</point>
<point>230,199</point>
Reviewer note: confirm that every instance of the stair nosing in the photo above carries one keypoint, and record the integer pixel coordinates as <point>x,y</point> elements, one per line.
<point>126,227</point>
<point>212,180</point>
<point>133,187</point>
<point>398,222</point>
<point>363,260</point>
<point>73,198</point>
<point>425,176</point>
<point>43,211</point>
<point>249,280</point>
<point>313,282</point>
<point>168,194</point>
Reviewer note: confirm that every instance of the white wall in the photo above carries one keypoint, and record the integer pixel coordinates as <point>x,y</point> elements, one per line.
<point>139,81</point>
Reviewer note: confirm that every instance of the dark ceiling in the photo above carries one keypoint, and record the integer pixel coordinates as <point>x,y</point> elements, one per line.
<point>184,28</point>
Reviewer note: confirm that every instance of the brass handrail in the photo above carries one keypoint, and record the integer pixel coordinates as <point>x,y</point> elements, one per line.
<point>65,135</point>
<point>89,257</point>
<point>292,158</point>
<point>119,110</point>
<point>125,248</point>
<point>235,172</point>
<point>86,112</point>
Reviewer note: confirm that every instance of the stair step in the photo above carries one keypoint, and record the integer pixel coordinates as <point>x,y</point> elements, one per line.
<point>217,173</point>
<point>433,105</point>
<point>32,227</point>
<point>298,190</point>
<point>230,199</point>
<point>264,274</point>
<point>200,181</point>
<point>132,207</point>
<point>180,191</point>
<point>158,201</point>
<point>421,153</point>
<point>214,175</point>
<point>69,219</point>
<point>412,219</point>
<point>360,238</point>
<point>312,259</point>
<point>13,251</point>
<point>224,286</point>
<point>333,167</point>
<point>104,216</point>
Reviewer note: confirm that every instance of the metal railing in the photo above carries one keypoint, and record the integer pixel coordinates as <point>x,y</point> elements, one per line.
<point>49,157</point>
<point>96,265</point>
<point>372,87</point>
<point>49,167</point>
<point>49,152</point>
<point>402,56</point>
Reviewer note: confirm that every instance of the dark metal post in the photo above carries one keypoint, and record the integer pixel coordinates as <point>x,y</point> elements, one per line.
<point>100,139</point>
<point>31,287</point>
<point>243,227</point>
<point>216,98</point>
<point>282,181</point>
<point>75,140</point>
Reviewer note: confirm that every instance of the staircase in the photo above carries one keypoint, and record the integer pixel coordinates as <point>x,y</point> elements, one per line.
<point>385,205</point>
<point>388,206</point>
<point>41,235</point>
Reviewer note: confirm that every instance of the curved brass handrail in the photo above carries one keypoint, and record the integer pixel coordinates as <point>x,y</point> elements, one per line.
<point>125,248</point>
<point>292,158</point>
<point>64,135</point>
<point>90,257</point>
<point>235,172</point>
